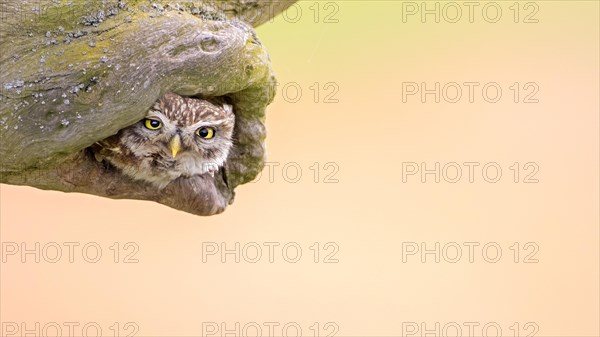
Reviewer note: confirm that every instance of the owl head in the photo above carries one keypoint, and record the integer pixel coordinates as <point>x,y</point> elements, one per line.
<point>179,136</point>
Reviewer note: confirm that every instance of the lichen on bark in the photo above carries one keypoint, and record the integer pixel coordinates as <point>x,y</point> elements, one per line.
<point>73,73</point>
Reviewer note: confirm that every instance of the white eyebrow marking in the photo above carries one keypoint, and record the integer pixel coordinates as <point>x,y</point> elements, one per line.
<point>153,113</point>
<point>207,123</point>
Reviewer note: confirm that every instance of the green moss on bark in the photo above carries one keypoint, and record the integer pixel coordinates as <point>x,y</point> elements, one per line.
<point>76,74</point>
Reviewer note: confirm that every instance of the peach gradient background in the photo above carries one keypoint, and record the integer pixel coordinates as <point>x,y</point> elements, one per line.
<point>369,212</point>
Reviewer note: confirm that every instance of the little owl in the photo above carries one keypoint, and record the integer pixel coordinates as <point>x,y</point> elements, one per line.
<point>179,137</point>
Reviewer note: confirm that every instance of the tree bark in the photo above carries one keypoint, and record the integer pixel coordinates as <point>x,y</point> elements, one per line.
<point>73,73</point>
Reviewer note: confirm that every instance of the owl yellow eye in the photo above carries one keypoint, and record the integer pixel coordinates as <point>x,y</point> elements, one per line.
<point>152,124</point>
<point>206,132</point>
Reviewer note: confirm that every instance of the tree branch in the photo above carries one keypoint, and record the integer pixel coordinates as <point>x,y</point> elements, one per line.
<point>66,84</point>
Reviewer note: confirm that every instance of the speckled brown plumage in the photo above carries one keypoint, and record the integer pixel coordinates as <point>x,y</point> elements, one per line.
<point>159,156</point>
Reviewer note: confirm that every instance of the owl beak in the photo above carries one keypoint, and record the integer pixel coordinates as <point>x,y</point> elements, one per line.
<point>175,145</point>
